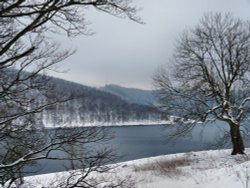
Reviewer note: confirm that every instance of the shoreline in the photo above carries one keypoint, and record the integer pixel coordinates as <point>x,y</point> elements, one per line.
<point>108,124</point>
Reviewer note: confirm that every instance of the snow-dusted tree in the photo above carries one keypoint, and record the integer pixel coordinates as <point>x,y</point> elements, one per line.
<point>27,50</point>
<point>210,75</point>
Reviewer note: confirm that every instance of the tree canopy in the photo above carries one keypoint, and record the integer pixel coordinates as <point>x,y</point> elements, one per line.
<point>27,51</point>
<point>210,76</point>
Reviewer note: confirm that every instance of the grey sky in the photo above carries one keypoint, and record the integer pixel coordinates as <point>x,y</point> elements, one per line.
<point>126,53</point>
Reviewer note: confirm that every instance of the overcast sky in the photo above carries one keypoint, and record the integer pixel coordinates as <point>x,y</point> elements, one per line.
<point>127,53</point>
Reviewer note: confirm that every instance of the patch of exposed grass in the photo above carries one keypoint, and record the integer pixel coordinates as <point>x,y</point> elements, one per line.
<point>167,167</point>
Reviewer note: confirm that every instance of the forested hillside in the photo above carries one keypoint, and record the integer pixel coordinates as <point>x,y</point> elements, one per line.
<point>92,105</point>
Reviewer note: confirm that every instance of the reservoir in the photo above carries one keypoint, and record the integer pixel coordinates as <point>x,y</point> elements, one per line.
<point>141,141</point>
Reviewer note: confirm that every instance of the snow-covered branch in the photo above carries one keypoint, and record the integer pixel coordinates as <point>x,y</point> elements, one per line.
<point>241,108</point>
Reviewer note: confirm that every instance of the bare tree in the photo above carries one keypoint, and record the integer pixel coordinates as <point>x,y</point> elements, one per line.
<point>210,76</point>
<point>26,53</point>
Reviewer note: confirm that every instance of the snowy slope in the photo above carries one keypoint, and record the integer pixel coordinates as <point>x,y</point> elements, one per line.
<point>205,169</point>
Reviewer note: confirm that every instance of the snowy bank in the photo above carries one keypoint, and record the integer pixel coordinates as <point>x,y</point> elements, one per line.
<point>79,123</point>
<point>205,169</point>
<point>97,123</point>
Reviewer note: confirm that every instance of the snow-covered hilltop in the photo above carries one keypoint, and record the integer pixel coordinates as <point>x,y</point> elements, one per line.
<point>205,169</point>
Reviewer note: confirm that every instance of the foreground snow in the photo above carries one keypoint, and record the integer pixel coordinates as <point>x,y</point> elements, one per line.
<point>206,169</point>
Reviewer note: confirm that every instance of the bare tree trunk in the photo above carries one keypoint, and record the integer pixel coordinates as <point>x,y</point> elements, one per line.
<point>237,141</point>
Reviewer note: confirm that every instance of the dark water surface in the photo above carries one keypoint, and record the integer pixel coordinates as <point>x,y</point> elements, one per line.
<point>134,142</point>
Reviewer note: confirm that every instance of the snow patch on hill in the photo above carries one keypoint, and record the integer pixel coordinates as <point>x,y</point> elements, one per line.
<point>99,123</point>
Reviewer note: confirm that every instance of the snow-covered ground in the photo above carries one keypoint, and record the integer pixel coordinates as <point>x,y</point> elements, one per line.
<point>205,169</point>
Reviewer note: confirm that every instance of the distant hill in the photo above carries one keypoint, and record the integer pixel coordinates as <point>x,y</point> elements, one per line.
<point>97,105</point>
<point>88,105</point>
<point>132,95</point>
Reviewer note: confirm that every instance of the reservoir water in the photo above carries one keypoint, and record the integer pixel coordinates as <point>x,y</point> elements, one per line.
<point>134,142</point>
